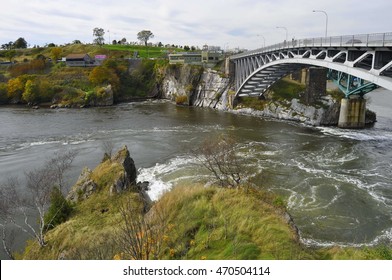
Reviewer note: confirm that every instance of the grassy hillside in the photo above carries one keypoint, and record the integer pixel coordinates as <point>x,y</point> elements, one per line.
<point>189,222</point>
<point>114,51</point>
<point>219,223</point>
<point>143,52</point>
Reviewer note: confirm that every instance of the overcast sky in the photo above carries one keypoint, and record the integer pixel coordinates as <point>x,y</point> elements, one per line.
<point>225,23</point>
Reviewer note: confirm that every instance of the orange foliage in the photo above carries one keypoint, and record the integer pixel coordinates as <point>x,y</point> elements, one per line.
<point>33,67</point>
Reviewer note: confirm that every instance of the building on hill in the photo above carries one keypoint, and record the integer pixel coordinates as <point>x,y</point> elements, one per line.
<point>79,60</point>
<point>209,58</point>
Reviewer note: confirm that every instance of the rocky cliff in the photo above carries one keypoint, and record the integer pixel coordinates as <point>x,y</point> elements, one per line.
<point>209,88</point>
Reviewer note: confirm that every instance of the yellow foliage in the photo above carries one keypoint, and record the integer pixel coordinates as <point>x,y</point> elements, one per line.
<point>101,75</point>
<point>172,252</point>
<point>181,100</point>
<point>15,88</point>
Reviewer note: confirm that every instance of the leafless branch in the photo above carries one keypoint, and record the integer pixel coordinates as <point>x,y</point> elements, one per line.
<point>16,208</point>
<point>218,155</point>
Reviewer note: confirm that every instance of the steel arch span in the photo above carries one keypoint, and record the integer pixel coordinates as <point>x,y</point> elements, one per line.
<point>366,57</point>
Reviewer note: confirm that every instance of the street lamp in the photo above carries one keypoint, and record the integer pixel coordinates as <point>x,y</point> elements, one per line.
<point>259,35</point>
<point>285,28</point>
<point>326,20</point>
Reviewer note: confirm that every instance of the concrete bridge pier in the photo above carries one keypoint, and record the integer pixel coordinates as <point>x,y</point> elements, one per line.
<point>352,113</point>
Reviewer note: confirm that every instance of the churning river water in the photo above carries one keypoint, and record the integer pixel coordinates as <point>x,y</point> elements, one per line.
<point>337,183</point>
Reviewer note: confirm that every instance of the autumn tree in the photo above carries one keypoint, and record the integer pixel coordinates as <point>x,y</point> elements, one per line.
<point>55,53</point>
<point>101,75</point>
<point>144,36</point>
<point>15,89</point>
<point>31,92</point>
<point>98,33</point>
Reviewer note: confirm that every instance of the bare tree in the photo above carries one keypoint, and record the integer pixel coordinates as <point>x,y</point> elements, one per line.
<point>218,155</point>
<point>107,147</point>
<point>141,236</point>
<point>17,209</point>
<point>60,163</point>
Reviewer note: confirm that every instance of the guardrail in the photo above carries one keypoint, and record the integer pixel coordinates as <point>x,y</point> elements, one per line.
<point>362,40</point>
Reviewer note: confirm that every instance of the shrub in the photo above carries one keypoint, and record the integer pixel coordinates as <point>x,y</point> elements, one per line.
<point>3,93</point>
<point>101,75</point>
<point>181,100</point>
<point>59,210</point>
<point>30,94</point>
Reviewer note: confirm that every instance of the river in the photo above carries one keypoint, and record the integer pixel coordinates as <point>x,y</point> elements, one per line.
<point>337,183</point>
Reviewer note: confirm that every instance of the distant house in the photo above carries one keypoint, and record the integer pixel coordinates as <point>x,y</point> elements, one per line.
<point>99,59</point>
<point>201,58</point>
<point>185,58</point>
<point>79,60</point>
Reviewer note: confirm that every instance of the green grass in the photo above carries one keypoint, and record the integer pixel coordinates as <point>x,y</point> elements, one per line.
<point>143,51</point>
<point>253,102</point>
<point>286,89</point>
<point>227,224</point>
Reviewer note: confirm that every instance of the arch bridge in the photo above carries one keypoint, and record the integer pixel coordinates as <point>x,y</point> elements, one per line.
<point>357,63</point>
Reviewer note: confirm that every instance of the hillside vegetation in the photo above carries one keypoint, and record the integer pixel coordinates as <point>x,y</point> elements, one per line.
<point>51,81</point>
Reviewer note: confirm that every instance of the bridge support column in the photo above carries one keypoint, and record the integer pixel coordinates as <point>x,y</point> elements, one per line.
<point>352,113</point>
<point>316,85</point>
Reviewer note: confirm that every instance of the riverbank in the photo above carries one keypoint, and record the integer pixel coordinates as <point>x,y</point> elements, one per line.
<point>101,197</point>
<point>187,222</point>
<point>210,88</point>
<point>120,80</point>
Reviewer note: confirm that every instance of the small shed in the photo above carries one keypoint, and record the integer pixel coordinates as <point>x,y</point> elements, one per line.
<point>79,60</point>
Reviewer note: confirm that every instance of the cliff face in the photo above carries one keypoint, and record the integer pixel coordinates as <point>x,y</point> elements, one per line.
<point>294,110</point>
<point>203,88</point>
<point>209,89</point>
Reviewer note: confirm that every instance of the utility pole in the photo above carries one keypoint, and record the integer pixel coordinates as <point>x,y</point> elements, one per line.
<point>285,28</point>
<point>259,35</point>
<point>326,20</point>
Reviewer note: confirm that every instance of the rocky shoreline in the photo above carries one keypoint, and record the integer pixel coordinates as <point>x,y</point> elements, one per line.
<point>214,91</point>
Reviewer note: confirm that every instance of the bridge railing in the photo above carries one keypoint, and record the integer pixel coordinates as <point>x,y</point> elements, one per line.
<point>361,40</point>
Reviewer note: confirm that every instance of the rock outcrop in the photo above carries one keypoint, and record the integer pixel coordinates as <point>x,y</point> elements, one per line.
<point>83,188</point>
<point>123,157</point>
<point>120,169</point>
<point>327,114</point>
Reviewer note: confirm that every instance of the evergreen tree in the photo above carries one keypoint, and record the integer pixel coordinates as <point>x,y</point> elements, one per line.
<point>59,210</point>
